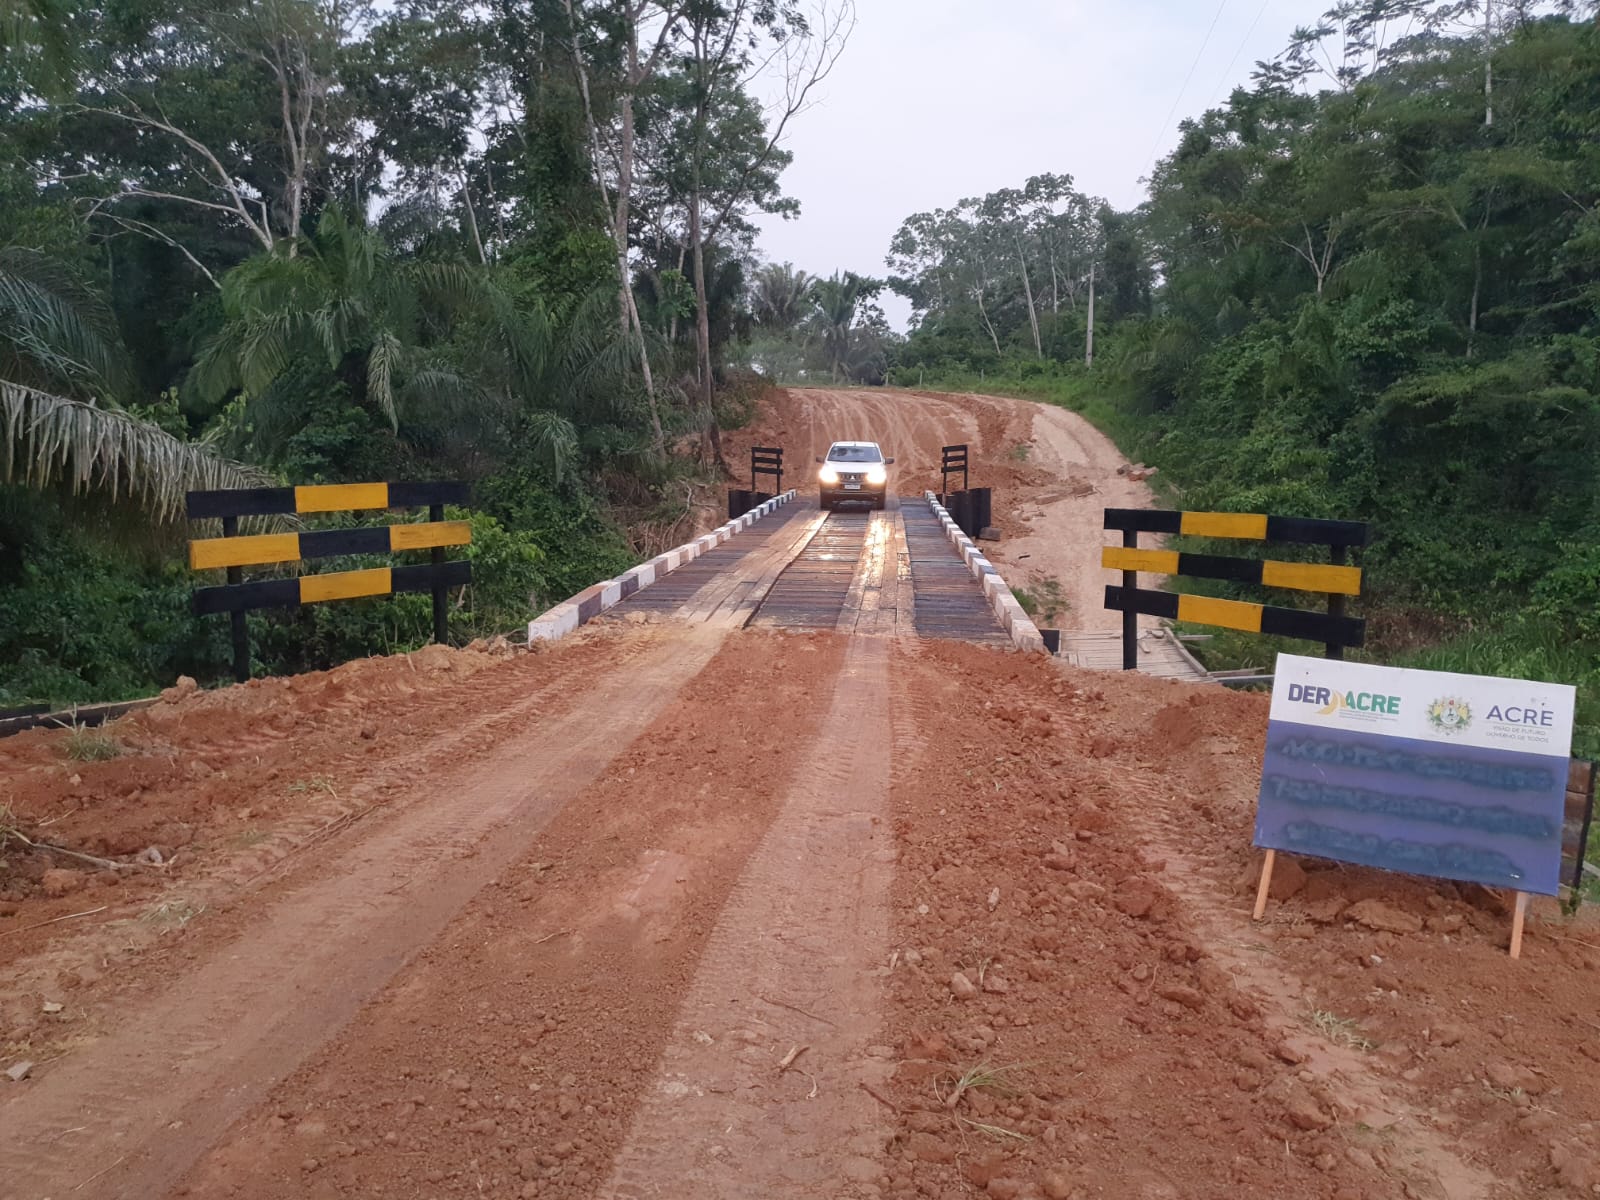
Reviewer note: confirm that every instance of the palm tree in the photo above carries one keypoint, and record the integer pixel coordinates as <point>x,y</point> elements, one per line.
<point>61,368</point>
<point>425,343</point>
<point>34,33</point>
<point>779,296</point>
<point>835,301</point>
<point>379,321</point>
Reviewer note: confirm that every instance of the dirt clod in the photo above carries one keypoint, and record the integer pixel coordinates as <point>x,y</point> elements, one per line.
<point>1288,878</point>
<point>58,882</point>
<point>1135,897</point>
<point>1056,1182</point>
<point>1375,914</point>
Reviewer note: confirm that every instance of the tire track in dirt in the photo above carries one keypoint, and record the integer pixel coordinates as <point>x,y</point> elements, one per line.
<point>792,971</point>
<point>1431,1162</point>
<point>139,1106</point>
<point>322,787</point>
<point>507,1058</point>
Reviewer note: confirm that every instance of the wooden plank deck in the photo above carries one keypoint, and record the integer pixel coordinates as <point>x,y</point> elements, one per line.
<point>876,573</point>
<point>949,601</point>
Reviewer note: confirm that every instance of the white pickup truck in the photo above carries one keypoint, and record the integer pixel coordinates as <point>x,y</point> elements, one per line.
<point>854,471</point>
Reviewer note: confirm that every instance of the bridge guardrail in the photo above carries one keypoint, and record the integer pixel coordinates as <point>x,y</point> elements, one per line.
<point>233,551</point>
<point>1336,579</point>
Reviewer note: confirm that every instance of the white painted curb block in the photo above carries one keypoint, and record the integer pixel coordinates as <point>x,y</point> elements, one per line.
<point>1024,633</point>
<point>588,604</point>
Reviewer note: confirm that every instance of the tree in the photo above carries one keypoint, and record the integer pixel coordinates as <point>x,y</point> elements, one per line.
<point>780,296</point>
<point>378,322</point>
<point>995,253</point>
<point>36,33</point>
<point>290,51</point>
<point>725,41</point>
<point>837,300</point>
<point>57,337</point>
<point>614,148</point>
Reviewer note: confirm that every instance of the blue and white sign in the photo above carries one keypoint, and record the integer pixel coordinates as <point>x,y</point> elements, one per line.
<point>1454,776</point>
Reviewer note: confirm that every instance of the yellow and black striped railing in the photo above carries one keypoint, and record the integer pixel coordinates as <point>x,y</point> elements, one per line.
<point>1335,579</point>
<point>233,552</point>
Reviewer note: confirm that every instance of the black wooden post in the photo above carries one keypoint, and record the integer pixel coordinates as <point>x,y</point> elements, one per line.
<point>1336,555</point>
<point>441,624</point>
<point>241,632</point>
<point>1130,618</point>
<point>1583,840</point>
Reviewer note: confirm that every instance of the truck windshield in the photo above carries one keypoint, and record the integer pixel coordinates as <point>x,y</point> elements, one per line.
<point>860,454</point>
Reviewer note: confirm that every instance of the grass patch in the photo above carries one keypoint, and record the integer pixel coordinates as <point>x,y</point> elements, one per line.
<point>1341,1031</point>
<point>91,745</point>
<point>9,827</point>
<point>171,915</point>
<point>980,1077</point>
<point>1046,604</point>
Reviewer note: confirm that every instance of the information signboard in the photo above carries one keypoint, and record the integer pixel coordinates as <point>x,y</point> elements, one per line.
<point>1454,776</point>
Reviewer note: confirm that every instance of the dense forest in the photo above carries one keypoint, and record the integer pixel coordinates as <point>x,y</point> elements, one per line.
<point>513,242</point>
<point>335,241</point>
<point>1368,286</point>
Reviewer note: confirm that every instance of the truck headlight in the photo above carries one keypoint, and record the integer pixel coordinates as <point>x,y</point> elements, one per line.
<point>877,474</point>
<point>828,475</point>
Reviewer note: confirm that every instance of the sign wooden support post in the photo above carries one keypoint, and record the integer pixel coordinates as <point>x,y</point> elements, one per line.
<point>1517,916</point>
<point>441,616</point>
<point>1266,885</point>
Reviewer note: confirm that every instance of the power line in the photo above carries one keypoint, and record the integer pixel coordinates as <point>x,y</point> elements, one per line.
<point>1221,83</point>
<point>1176,100</point>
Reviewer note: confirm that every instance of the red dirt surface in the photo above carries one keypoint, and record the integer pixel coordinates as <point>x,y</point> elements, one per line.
<point>676,912</point>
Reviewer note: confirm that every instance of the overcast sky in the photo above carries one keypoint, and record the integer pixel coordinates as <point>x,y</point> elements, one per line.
<point>935,100</point>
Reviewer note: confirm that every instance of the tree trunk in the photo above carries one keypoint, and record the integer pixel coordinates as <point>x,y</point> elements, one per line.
<point>984,313</point>
<point>630,305</point>
<point>1088,340</point>
<point>472,220</point>
<point>1027,291</point>
<point>1488,63</point>
<point>1477,286</point>
<point>710,437</point>
<point>627,306</point>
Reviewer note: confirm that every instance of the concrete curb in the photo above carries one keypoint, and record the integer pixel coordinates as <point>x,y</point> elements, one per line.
<point>1023,632</point>
<point>588,604</point>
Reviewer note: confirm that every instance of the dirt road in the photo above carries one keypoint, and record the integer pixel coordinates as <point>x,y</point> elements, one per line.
<point>676,910</point>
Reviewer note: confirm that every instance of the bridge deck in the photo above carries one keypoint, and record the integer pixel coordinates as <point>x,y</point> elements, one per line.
<point>949,601</point>
<point>872,572</point>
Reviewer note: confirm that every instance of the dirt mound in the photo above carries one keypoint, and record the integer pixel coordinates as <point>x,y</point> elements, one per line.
<point>1062,1029</point>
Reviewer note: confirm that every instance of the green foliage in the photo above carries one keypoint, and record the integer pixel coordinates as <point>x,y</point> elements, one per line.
<point>1529,647</point>
<point>1374,304</point>
<point>81,622</point>
<point>579,544</point>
